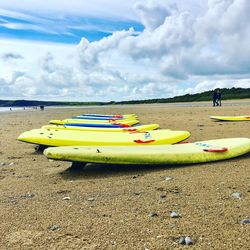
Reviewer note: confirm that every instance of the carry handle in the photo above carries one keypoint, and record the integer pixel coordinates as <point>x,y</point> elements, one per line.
<point>122,125</point>
<point>215,150</point>
<point>129,130</point>
<point>140,141</point>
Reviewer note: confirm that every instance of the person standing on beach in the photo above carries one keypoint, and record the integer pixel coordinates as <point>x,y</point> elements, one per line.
<point>215,98</point>
<point>218,97</point>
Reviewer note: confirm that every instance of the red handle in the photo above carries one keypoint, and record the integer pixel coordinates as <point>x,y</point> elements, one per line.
<point>221,150</point>
<point>129,129</point>
<point>122,125</point>
<point>117,116</point>
<point>112,120</point>
<point>140,141</point>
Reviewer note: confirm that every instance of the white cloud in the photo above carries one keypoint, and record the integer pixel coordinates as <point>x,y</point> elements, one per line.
<point>180,51</point>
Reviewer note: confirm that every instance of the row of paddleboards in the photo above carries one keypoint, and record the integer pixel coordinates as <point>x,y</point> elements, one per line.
<point>118,139</point>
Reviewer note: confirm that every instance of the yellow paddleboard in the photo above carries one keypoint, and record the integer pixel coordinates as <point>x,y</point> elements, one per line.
<point>83,121</point>
<point>112,116</point>
<point>197,152</point>
<point>99,129</point>
<point>231,118</point>
<point>50,137</point>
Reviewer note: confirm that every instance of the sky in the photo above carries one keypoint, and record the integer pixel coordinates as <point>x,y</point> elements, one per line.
<point>109,50</point>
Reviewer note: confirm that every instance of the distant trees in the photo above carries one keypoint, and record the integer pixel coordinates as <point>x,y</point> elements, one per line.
<point>227,94</point>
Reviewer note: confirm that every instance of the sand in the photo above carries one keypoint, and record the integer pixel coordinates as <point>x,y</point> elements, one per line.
<point>109,207</point>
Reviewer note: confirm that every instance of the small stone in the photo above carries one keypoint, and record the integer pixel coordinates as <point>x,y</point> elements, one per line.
<point>54,227</point>
<point>181,240</point>
<point>91,199</point>
<point>12,163</point>
<point>163,196</point>
<point>174,215</point>
<point>237,195</point>
<point>67,198</point>
<point>153,214</point>
<point>245,221</point>
<point>2,164</point>
<point>168,178</point>
<point>188,240</point>
<point>30,195</point>
<point>137,193</point>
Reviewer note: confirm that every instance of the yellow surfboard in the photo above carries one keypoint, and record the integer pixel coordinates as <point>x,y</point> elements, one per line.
<point>231,118</point>
<point>112,115</point>
<point>99,129</point>
<point>129,122</point>
<point>197,152</point>
<point>50,137</point>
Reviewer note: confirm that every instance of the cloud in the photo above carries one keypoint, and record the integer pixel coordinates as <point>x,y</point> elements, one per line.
<point>181,50</point>
<point>11,56</point>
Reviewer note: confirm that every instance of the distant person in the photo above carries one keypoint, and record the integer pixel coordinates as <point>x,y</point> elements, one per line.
<point>41,107</point>
<point>218,97</point>
<point>215,98</point>
<point>10,109</point>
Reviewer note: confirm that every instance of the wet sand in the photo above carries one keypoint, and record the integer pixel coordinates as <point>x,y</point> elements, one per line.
<point>109,206</point>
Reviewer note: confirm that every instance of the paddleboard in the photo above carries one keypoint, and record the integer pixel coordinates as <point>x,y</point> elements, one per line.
<point>103,129</point>
<point>111,116</point>
<point>102,118</point>
<point>197,152</point>
<point>50,137</point>
<point>231,118</point>
<point>84,121</point>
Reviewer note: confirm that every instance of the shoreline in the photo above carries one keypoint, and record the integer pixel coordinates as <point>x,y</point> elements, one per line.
<point>241,102</point>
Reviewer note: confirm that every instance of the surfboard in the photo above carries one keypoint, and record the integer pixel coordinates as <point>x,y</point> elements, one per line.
<point>111,116</point>
<point>103,129</point>
<point>50,137</point>
<point>115,117</point>
<point>84,121</point>
<point>231,118</point>
<point>101,118</point>
<point>197,152</point>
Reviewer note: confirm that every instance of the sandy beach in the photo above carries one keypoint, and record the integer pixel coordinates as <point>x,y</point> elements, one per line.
<point>45,205</point>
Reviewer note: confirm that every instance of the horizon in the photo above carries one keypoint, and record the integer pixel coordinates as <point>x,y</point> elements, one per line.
<point>211,90</point>
<point>110,51</point>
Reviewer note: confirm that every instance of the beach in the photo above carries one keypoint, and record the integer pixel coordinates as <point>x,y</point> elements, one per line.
<point>46,205</point>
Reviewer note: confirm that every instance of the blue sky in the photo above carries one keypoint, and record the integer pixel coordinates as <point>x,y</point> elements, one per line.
<point>66,30</point>
<point>109,50</point>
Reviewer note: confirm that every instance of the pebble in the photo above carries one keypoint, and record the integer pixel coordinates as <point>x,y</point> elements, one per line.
<point>168,178</point>
<point>181,240</point>
<point>185,240</point>
<point>237,195</point>
<point>91,199</point>
<point>153,214</point>
<point>137,193</point>
<point>245,221</point>
<point>66,198</point>
<point>174,215</point>
<point>54,227</point>
<point>188,240</point>
<point>30,195</point>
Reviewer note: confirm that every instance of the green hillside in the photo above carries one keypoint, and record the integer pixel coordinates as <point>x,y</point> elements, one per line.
<point>227,94</point>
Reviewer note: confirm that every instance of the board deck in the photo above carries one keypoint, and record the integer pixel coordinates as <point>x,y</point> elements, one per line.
<point>85,121</point>
<point>197,152</point>
<point>50,137</point>
<point>231,118</point>
<point>145,127</point>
